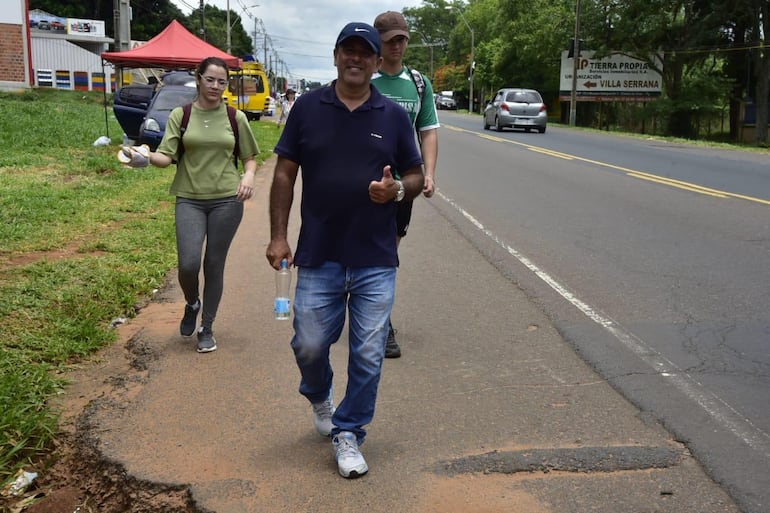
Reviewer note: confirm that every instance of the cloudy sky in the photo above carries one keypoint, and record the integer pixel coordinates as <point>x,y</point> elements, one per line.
<point>303,31</point>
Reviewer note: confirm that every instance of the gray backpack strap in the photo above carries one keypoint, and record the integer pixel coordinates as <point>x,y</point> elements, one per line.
<point>419,83</point>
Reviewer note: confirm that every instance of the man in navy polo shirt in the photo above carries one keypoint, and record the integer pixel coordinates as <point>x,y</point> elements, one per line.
<point>346,137</point>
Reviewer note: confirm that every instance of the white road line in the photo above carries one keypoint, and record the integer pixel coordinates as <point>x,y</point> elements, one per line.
<point>724,414</point>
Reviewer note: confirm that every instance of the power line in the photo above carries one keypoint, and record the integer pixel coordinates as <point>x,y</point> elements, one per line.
<point>720,50</point>
<point>307,55</point>
<point>193,8</point>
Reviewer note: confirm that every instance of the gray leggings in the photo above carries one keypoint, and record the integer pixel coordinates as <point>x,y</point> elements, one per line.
<point>216,221</point>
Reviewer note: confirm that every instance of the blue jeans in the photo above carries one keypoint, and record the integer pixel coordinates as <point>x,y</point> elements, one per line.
<point>321,297</point>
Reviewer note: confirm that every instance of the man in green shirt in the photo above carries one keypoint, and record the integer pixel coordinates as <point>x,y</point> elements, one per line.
<point>414,92</point>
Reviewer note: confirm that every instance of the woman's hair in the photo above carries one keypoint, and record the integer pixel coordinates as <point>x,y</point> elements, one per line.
<point>211,61</point>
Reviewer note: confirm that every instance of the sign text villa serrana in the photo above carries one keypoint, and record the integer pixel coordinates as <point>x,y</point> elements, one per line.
<point>616,77</point>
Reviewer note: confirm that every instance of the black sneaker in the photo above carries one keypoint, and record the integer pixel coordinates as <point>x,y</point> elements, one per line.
<point>190,319</point>
<point>206,340</point>
<point>392,349</point>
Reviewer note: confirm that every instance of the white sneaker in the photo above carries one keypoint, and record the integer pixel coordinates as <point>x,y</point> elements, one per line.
<point>350,461</point>
<point>322,416</point>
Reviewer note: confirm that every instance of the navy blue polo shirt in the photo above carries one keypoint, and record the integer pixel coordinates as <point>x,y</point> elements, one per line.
<point>340,153</point>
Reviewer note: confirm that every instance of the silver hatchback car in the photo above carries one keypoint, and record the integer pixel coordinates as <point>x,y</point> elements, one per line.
<point>516,108</point>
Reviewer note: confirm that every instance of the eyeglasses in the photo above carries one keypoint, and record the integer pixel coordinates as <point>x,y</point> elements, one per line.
<point>210,81</point>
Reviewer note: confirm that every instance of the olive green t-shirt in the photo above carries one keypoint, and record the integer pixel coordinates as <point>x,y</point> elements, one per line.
<point>206,170</point>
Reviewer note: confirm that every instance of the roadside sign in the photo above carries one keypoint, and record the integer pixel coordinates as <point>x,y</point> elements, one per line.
<point>616,77</point>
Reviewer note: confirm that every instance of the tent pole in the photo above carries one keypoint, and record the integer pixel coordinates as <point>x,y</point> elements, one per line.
<point>104,93</point>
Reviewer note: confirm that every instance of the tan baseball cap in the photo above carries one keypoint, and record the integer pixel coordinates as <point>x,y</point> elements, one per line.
<point>391,24</point>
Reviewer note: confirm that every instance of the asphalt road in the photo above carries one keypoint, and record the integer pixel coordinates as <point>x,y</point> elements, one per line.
<point>650,258</point>
<point>488,410</point>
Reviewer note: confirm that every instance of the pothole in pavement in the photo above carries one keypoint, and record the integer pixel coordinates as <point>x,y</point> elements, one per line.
<point>580,459</point>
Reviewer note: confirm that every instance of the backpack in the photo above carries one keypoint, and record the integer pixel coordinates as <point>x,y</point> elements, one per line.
<point>231,111</point>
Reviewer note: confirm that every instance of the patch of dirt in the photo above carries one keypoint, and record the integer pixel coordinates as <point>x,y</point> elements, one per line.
<point>479,494</point>
<point>10,260</point>
<point>76,478</point>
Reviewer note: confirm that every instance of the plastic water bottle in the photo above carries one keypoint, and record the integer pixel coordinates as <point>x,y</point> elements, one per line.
<point>282,292</point>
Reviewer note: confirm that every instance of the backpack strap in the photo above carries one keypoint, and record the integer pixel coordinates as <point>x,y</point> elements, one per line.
<point>419,83</point>
<point>186,110</point>
<point>231,112</point>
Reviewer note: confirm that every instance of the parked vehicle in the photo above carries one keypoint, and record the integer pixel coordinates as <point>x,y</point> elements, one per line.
<point>142,110</point>
<point>130,105</point>
<point>249,90</point>
<point>178,78</point>
<point>445,102</point>
<point>516,108</point>
<point>166,99</point>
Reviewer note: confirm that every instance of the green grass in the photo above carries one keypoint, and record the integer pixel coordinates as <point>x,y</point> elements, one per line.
<point>83,240</point>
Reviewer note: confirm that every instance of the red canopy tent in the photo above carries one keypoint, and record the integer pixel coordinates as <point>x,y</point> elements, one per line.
<point>174,47</point>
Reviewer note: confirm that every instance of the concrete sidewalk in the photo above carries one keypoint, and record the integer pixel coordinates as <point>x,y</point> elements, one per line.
<point>487,411</point>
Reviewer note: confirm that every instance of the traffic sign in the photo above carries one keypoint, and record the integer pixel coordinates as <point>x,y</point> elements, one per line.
<point>616,77</point>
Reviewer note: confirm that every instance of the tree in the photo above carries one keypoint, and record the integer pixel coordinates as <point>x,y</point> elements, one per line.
<point>762,65</point>
<point>738,60</point>
<point>216,31</point>
<point>530,38</point>
<point>682,34</point>
<point>429,26</point>
<point>451,77</point>
<point>747,61</point>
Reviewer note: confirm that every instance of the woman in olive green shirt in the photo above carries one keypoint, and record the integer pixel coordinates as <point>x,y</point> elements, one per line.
<point>209,192</point>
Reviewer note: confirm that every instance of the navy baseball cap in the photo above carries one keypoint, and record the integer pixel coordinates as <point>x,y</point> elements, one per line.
<point>362,30</point>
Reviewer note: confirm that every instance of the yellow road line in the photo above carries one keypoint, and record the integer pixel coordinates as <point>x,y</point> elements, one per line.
<point>492,138</point>
<point>673,183</point>
<point>680,184</point>
<point>552,153</point>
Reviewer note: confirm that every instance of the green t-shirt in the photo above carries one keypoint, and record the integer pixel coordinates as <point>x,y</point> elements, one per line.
<point>401,89</point>
<point>206,170</point>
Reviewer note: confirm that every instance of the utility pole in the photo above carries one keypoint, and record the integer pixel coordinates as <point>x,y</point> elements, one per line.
<point>430,45</point>
<point>122,24</point>
<point>575,61</point>
<point>473,64</point>
<point>203,22</point>
<point>116,22</point>
<point>228,26</point>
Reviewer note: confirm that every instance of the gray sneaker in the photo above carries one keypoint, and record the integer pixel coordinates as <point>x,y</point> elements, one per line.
<point>206,340</point>
<point>350,461</point>
<point>190,319</point>
<point>322,416</point>
<point>392,349</point>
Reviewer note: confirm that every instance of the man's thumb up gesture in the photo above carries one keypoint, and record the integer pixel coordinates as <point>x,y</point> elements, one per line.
<point>384,190</point>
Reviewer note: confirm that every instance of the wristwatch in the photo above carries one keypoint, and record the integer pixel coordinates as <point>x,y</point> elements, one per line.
<point>401,191</point>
